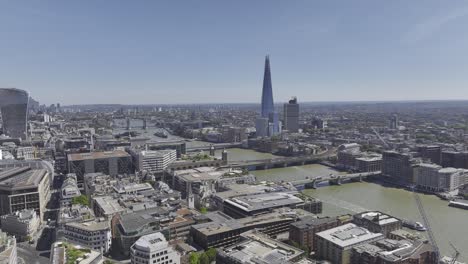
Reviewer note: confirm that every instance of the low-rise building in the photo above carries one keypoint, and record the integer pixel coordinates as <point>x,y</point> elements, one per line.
<point>22,224</point>
<point>377,222</point>
<point>394,251</point>
<point>60,251</point>
<point>8,253</point>
<point>335,244</point>
<point>153,248</point>
<point>69,189</point>
<point>95,235</point>
<point>256,247</point>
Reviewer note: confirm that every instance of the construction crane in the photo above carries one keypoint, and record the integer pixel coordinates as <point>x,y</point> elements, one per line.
<point>380,137</point>
<point>426,223</point>
<point>456,255</point>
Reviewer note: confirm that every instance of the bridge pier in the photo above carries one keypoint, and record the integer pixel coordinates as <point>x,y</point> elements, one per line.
<point>285,164</point>
<point>311,185</point>
<point>336,181</point>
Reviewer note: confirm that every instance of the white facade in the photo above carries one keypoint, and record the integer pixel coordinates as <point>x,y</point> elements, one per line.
<point>434,178</point>
<point>92,234</point>
<point>8,253</point>
<point>155,249</point>
<point>69,189</point>
<point>21,223</point>
<point>154,161</point>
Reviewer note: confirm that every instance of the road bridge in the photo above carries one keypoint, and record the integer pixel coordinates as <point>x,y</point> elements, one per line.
<point>216,146</point>
<point>332,179</point>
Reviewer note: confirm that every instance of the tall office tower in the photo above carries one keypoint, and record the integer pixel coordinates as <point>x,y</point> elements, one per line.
<point>14,110</point>
<point>291,115</point>
<point>268,110</point>
<point>394,122</point>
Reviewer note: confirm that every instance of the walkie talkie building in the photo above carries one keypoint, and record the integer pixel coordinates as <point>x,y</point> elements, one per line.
<point>14,111</point>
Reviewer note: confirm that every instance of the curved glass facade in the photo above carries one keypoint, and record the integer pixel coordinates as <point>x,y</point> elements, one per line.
<point>14,111</point>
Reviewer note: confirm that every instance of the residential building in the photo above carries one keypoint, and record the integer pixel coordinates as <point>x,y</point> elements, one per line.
<point>153,248</point>
<point>24,188</point>
<point>22,224</point>
<point>303,232</point>
<point>335,244</point>
<point>398,167</point>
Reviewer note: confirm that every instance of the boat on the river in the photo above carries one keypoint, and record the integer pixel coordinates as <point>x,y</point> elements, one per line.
<point>463,204</point>
<point>413,225</point>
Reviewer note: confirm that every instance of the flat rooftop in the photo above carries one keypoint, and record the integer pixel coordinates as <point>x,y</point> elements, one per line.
<point>377,217</point>
<point>262,201</point>
<point>21,178</point>
<point>152,242</point>
<point>98,155</point>
<point>348,235</point>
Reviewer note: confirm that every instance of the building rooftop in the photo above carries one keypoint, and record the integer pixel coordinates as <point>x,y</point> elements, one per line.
<point>90,225</point>
<point>263,201</point>
<point>151,242</point>
<point>259,248</point>
<point>21,178</point>
<point>377,217</point>
<point>133,222</point>
<point>348,235</point>
<point>98,155</point>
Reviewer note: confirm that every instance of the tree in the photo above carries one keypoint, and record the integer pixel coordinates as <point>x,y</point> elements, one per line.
<point>82,199</point>
<point>211,253</point>
<point>203,210</point>
<point>194,258</point>
<point>204,259</point>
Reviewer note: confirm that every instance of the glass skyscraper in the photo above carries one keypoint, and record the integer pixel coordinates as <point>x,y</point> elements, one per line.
<point>272,127</point>
<point>14,110</point>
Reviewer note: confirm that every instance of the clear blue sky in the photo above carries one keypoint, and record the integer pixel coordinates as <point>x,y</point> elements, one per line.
<point>76,52</point>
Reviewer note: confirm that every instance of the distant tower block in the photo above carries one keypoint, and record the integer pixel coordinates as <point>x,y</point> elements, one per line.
<point>145,124</point>
<point>212,151</point>
<point>225,156</point>
<point>128,123</point>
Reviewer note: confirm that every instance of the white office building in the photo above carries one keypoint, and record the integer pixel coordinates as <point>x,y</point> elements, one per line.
<point>69,189</point>
<point>153,248</point>
<point>93,234</point>
<point>153,161</point>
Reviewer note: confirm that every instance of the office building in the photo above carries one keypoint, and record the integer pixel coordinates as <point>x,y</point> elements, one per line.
<point>14,111</point>
<point>377,222</point>
<point>267,107</point>
<point>153,248</point>
<point>335,244</point>
<point>256,204</point>
<point>256,247</point>
<point>153,161</point>
<point>291,115</point>
<point>24,188</point>
<point>21,224</point>
<point>222,230</point>
<point>110,162</point>
<point>91,234</point>
<point>8,252</point>
<point>394,123</point>
<point>179,146</point>
<point>454,159</point>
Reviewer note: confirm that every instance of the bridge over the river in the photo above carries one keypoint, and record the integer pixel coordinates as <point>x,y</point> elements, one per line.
<point>215,146</point>
<point>332,179</point>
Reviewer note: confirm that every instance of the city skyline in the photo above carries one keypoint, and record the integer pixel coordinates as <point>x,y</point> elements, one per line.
<point>77,53</point>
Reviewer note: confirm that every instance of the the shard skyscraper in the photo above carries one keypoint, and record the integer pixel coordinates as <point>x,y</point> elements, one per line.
<point>268,123</point>
<point>267,92</point>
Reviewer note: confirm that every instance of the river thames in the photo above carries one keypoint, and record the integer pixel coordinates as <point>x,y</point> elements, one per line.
<point>448,224</point>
